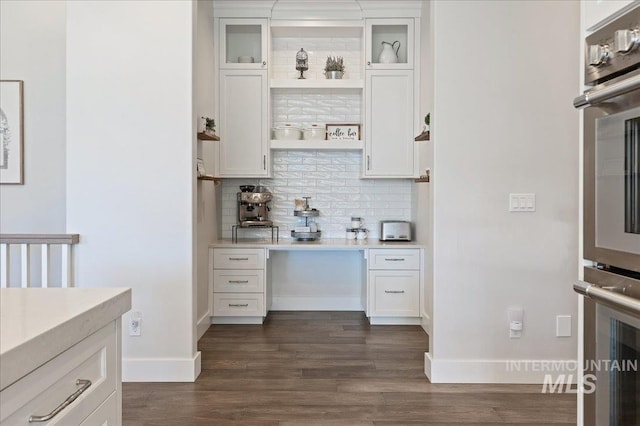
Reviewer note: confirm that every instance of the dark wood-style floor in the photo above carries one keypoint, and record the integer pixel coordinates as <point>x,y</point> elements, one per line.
<point>330,368</point>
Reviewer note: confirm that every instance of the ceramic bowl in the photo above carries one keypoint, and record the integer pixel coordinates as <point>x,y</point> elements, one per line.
<point>287,132</point>
<point>315,133</point>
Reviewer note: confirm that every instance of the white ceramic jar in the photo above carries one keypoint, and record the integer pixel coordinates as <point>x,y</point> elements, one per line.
<point>351,234</point>
<point>315,133</point>
<point>361,234</point>
<point>356,222</point>
<point>287,132</point>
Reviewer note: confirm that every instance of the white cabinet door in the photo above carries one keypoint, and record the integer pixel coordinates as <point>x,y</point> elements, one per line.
<point>243,123</point>
<point>394,293</point>
<point>243,43</point>
<point>389,116</point>
<point>389,35</point>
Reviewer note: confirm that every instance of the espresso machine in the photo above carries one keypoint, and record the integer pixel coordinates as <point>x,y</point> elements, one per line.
<point>253,207</point>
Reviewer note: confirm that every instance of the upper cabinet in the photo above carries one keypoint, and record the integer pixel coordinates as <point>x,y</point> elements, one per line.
<point>389,43</point>
<point>243,43</point>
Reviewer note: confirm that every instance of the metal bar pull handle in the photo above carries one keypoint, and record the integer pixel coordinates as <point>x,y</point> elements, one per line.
<point>238,281</point>
<point>238,258</point>
<point>608,297</point>
<point>598,96</point>
<point>238,305</point>
<point>394,259</point>
<point>85,384</point>
<point>394,291</point>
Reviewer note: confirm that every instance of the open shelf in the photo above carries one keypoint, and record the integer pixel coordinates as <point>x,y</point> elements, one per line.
<point>211,178</point>
<point>317,145</point>
<point>317,84</point>
<point>205,137</point>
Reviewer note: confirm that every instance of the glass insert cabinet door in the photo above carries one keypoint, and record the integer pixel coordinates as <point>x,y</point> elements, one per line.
<point>389,43</point>
<point>243,43</point>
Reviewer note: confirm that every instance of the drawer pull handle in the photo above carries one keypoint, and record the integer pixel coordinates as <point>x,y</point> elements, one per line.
<point>394,259</point>
<point>394,291</point>
<point>238,258</point>
<point>238,305</point>
<point>85,385</point>
<point>238,281</point>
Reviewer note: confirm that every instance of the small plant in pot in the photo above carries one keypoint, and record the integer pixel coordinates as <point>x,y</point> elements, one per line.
<point>209,125</point>
<point>334,67</point>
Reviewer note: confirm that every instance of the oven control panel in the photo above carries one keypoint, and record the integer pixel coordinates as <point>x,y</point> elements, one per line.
<point>613,49</point>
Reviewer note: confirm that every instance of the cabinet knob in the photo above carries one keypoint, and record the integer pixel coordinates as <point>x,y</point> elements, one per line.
<point>264,62</point>
<point>369,63</point>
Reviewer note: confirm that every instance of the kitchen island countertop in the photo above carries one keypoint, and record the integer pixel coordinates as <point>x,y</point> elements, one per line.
<point>37,324</point>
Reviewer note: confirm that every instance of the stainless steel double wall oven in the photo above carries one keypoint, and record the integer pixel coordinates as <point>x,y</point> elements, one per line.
<point>612,222</point>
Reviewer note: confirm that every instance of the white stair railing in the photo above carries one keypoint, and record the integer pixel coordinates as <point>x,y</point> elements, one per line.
<point>46,243</point>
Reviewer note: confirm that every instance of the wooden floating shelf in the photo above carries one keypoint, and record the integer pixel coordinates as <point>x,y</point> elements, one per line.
<point>205,137</point>
<point>317,145</point>
<point>317,84</point>
<point>209,177</point>
<point>424,136</point>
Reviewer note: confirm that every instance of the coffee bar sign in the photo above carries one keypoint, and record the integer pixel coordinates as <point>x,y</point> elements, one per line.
<point>347,132</point>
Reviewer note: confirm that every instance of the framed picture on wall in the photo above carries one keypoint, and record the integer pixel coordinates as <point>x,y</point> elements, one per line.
<point>349,132</point>
<point>11,132</point>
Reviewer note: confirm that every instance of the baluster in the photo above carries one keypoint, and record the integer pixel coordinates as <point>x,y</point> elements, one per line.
<point>25,261</point>
<point>44,258</point>
<point>67,266</point>
<point>4,265</point>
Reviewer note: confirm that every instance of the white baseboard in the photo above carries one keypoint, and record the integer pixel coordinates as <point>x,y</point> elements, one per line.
<point>394,321</point>
<point>425,322</point>
<point>316,304</point>
<point>237,320</point>
<point>521,371</point>
<point>203,324</point>
<point>161,369</point>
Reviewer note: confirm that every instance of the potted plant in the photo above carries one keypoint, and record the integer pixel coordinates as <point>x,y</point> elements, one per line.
<point>334,67</point>
<point>209,126</point>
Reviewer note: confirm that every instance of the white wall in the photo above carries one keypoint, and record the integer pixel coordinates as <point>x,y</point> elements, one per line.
<point>130,171</point>
<point>32,49</point>
<point>204,96</point>
<point>504,122</point>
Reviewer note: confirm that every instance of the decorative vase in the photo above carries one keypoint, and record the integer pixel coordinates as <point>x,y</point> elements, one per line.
<point>334,74</point>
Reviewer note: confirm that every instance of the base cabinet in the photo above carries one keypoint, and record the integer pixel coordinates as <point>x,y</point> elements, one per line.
<point>92,365</point>
<point>238,285</point>
<point>394,283</point>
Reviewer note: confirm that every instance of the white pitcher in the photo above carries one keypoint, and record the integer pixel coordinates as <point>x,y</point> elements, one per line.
<point>388,54</point>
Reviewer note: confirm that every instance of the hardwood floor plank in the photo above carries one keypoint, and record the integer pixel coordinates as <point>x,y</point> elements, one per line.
<point>330,368</point>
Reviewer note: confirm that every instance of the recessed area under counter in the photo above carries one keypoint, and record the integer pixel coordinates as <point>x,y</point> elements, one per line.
<point>328,274</point>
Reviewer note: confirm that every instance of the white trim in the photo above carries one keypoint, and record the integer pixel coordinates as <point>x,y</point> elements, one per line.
<point>317,304</point>
<point>161,369</point>
<point>237,320</point>
<point>496,371</point>
<point>394,320</point>
<point>425,323</point>
<point>203,324</point>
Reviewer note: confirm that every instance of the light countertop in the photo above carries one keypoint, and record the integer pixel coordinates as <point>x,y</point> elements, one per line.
<point>321,244</point>
<point>37,324</point>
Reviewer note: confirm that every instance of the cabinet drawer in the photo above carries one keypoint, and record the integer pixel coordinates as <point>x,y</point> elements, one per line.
<point>106,414</point>
<point>394,259</point>
<point>44,389</point>
<point>238,258</point>
<point>242,281</point>
<point>238,305</point>
<point>395,293</point>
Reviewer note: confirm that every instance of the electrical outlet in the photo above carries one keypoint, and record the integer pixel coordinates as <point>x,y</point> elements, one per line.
<point>135,324</point>
<point>515,322</point>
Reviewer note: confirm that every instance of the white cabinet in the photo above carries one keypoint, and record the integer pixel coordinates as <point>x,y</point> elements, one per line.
<point>243,43</point>
<point>396,32</point>
<point>389,116</point>
<point>89,369</point>
<point>393,286</point>
<point>244,123</point>
<point>238,285</point>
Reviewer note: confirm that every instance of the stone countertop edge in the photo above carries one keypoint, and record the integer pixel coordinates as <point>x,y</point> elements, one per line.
<point>322,244</point>
<point>37,324</point>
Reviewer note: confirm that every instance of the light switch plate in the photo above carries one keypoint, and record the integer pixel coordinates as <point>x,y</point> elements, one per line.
<point>563,326</point>
<point>522,202</point>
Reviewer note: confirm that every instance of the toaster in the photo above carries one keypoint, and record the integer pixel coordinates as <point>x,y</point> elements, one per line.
<point>395,230</point>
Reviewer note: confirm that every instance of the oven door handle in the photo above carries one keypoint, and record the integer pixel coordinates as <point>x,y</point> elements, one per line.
<point>608,297</point>
<point>598,96</point>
